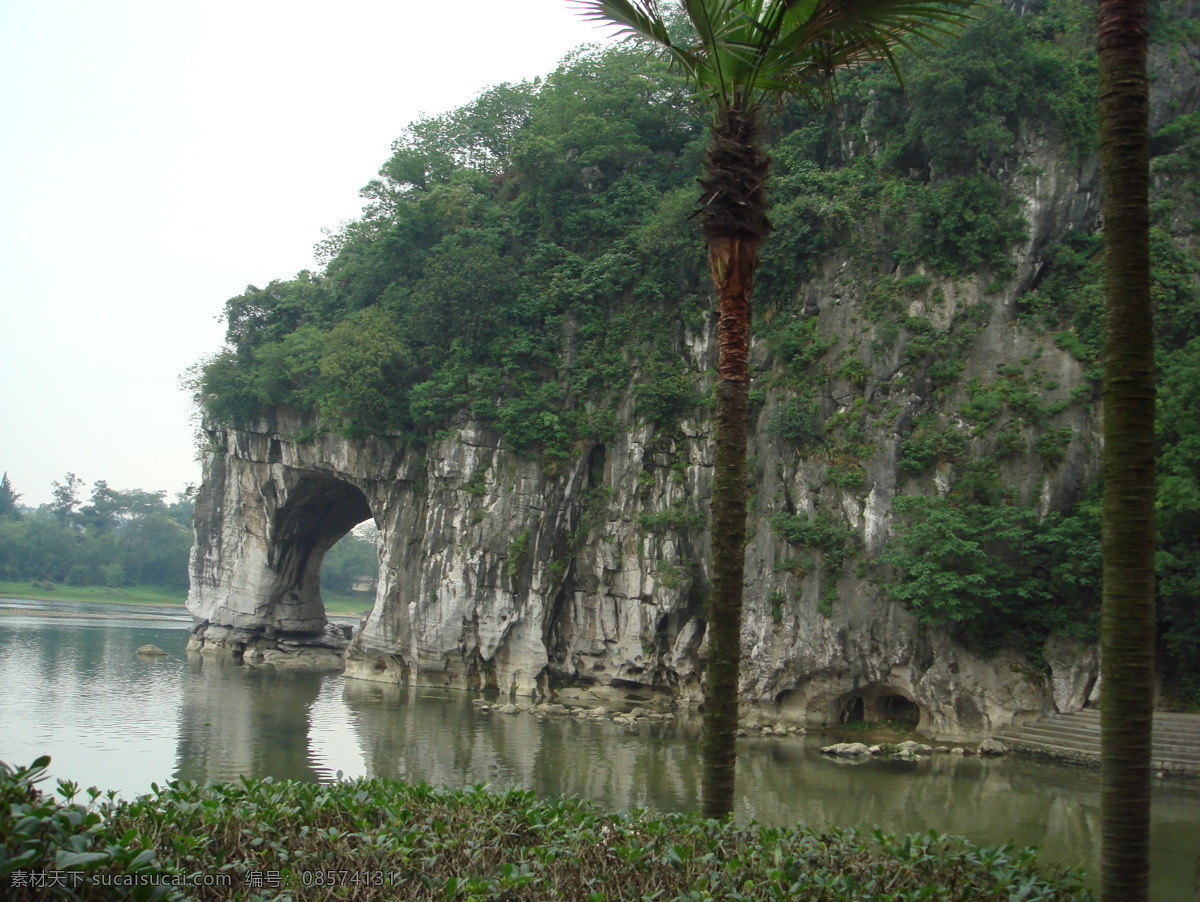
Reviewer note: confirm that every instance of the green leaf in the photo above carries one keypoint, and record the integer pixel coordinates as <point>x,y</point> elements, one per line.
<point>68,860</point>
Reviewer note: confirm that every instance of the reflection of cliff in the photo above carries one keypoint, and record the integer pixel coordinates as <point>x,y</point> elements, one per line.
<point>990,801</point>
<point>421,734</point>
<point>231,724</point>
<point>965,795</point>
<point>417,734</point>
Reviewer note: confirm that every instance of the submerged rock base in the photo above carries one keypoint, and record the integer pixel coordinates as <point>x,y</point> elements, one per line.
<point>297,652</point>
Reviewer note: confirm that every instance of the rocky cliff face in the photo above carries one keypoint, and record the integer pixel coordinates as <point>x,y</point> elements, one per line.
<point>501,571</point>
<point>498,571</point>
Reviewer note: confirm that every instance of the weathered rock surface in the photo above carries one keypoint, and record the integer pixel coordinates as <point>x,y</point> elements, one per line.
<point>847,750</point>
<point>497,573</point>
<point>152,651</point>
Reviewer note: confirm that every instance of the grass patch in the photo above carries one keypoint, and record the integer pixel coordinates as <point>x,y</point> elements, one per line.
<point>45,591</point>
<point>335,603</point>
<point>380,839</point>
<point>346,604</point>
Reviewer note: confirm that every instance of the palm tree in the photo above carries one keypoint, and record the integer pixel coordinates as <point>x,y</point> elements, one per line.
<point>744,56</point>
<point>1127,606</point>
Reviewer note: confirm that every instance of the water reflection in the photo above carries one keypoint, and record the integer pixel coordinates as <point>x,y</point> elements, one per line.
<point>236,720</point>
<point>987,799</point>
<point>75,688</point>
<point>423,734</point>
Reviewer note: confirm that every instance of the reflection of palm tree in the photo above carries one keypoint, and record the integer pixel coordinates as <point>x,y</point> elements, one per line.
<point>1127,614</point>
<point>744,55</point>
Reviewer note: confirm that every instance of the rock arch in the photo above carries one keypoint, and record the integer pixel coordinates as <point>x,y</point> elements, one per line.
<point>255,578</point>
<point>319,511</point>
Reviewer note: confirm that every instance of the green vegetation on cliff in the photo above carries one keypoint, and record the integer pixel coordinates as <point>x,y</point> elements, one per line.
<point>526,262</point>
<point>527,259</point>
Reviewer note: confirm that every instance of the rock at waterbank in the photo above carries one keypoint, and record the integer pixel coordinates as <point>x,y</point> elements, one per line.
<point>907,750</point>
<point>992,747</point>
<point>541,711</point>
<point>847,750</point>
<point>152,651</point>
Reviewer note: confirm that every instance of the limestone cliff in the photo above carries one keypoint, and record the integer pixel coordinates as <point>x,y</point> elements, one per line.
<point>497,571</point>
<point>502,570</point>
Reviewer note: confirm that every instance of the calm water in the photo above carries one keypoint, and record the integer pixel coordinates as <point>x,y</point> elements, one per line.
<point>73,687</point>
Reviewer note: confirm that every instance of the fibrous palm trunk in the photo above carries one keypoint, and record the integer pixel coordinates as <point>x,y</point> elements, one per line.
<point>733,218</point>
<point>1127,615</point>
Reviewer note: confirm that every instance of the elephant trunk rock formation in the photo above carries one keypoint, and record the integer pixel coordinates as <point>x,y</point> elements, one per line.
<point>498,571</point>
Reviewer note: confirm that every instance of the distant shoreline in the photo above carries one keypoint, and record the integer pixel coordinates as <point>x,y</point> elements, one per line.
<point>79,615</point>
<point>135,597</point>
<point>141,596</point>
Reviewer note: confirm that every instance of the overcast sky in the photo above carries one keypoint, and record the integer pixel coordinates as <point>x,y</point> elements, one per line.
<point>158,156</point>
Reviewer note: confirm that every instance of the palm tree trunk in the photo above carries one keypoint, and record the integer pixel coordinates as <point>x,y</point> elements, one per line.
<point>1127,612</point>
<point>733,217</point>
<point>733,262</point>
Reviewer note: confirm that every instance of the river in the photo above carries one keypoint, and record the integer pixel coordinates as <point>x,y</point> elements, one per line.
<point>74,688</point>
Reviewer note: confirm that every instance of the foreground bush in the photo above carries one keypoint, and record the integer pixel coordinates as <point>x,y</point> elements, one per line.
<point>380,839</point>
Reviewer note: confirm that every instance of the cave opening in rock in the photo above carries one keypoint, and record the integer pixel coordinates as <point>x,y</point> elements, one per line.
<point>320,511</point>
<point>880,705</point>
<point>900,710</point>
<point>853,711</point>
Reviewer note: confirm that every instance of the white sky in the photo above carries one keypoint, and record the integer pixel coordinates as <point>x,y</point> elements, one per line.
<point>158,156</point>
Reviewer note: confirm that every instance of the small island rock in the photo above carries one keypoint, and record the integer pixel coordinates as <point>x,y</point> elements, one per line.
<point>153,651</point>
<point>846,749</point>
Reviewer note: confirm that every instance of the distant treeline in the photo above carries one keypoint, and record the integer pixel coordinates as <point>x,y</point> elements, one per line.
<point>123,538</point>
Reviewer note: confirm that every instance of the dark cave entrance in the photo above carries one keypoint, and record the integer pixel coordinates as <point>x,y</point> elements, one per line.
<point>880,705</point>
<point>319,512</point>
<point>853,711</point>
<point>901,710</point>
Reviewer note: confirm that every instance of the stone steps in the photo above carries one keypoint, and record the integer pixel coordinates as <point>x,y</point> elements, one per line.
<point>1175,746</point>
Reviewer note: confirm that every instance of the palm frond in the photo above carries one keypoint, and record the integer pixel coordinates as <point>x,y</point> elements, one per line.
<point>747,51</point>
<point>851,31</point>
<point>633,18</point>
<point>639,19</point>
